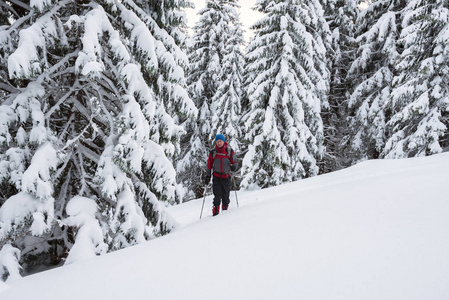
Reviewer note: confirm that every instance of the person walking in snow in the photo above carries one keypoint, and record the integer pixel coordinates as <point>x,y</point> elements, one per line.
<point>220,163</point>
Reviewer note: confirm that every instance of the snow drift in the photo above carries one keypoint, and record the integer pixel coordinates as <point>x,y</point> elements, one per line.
<point>378,230</point>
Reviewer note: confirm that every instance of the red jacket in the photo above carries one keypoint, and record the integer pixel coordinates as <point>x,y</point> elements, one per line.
<point>221,165</point>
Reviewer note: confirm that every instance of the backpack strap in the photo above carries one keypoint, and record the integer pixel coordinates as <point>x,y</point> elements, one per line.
<point>214,152</point>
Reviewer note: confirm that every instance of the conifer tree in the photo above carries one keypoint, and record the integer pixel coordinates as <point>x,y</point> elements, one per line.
<point>372,75</point>
<point>340,16</point>
<point>419,102</point>
<point>226,103</point>
<point>213,39</point>
<point>82,118</point>
<point>287,84</point>
<point>167,23</point>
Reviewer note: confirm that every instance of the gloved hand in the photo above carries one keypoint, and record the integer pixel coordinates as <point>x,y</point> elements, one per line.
<point>234,167</point>
<point>207,178</point>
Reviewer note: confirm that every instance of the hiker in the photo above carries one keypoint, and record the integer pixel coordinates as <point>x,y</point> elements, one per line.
<point>220,162</point>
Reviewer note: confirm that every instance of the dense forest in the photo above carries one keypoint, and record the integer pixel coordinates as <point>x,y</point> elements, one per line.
<point>108,109</point>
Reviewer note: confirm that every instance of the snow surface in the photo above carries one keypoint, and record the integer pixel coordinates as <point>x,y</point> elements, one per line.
<point>378,230</point>
<point>3,286</point>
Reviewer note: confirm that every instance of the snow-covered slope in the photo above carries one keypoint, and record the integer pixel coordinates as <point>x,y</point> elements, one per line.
<point>379,230</point>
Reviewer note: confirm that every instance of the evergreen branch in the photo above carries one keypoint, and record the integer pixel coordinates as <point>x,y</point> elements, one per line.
<point>56,106</point>
<point>21,4</point>
<point>8,88</point>
<point>75,139</point>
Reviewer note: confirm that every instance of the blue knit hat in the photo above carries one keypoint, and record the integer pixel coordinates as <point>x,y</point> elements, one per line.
<point>220,137</point>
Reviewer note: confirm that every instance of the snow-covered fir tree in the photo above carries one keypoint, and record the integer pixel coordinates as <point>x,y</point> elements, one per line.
<point>211,53</point>
<point>166,21</point>
<point>372,75</point>
<point>226,103</point>
<point>84,129</point>
<point>419,102</point>
<point>287,85</point>
<point>341,16</point>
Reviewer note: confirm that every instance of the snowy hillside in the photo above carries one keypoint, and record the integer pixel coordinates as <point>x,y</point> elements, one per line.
<point>379,230</point>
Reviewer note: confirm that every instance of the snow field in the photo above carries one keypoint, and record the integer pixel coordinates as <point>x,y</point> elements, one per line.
<point>374,231</point>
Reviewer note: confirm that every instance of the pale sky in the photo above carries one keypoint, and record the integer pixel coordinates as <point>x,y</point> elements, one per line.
<point>247,16</point>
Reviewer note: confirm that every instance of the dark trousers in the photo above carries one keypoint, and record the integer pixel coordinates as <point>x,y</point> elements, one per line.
<point>222,189</point>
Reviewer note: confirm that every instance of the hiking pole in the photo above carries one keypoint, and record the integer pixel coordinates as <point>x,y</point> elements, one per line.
<point>235,190</point>
<point>204,199</point>
<point>236,199</point>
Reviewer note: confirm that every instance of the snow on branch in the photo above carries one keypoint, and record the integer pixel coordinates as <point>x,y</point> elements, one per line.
<point>89,239</point>
<point>28,59</point>
<point>40,4</point>
<point>89,61</point>
<point>36,179</point>
<point>141,37</point>
<point>25,207</point>
<point>34,204</point>
<point>9,263</point>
